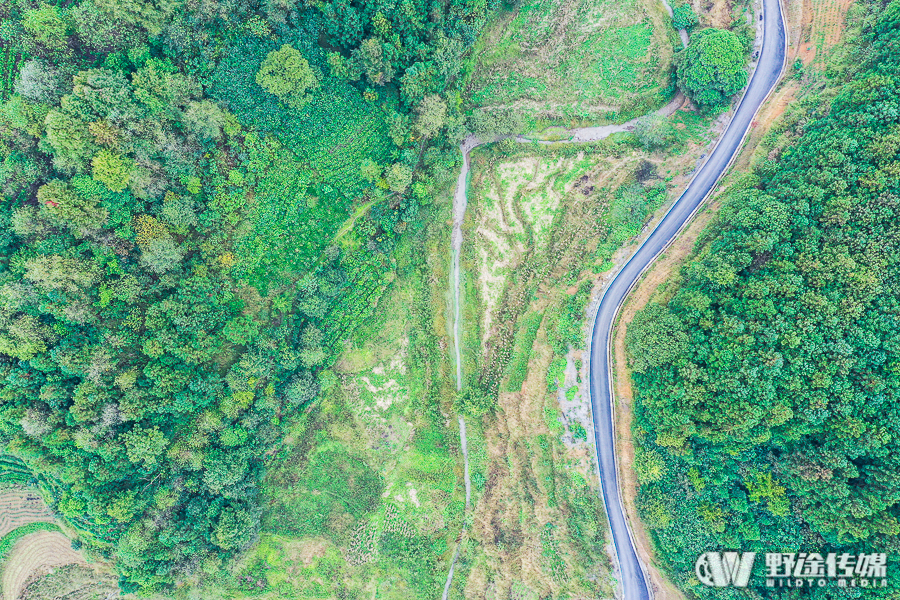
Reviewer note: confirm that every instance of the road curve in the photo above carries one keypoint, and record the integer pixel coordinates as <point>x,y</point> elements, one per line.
<point>633,579</point>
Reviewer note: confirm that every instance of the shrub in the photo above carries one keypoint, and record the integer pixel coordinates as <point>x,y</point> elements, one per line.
<point>474,402</point>
<point>654,131</point>
<point>684,17</point>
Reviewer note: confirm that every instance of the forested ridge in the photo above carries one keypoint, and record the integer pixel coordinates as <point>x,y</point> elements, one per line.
<point>767,409</point>
<point>200,200</point>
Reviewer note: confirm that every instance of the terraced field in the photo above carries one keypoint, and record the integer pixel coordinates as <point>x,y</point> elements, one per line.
<point>33,548</point>
<point>72,582</point>
<point>823,26</point>
<point>13,471</point>
<point>35,555</point>
<point>21,507</point>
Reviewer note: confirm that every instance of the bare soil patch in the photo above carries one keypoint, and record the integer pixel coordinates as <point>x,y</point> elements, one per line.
<point>823,24</point>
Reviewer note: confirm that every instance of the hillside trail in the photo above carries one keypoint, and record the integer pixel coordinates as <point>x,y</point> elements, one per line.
<point>460,201</point>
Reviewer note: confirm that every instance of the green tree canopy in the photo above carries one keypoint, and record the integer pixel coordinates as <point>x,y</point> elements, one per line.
<point>111,169</point>
<point>431,115</point>
<point>286,74</point>
<point>712,68</point>
<point>47,25</point>
<point>767,387</point>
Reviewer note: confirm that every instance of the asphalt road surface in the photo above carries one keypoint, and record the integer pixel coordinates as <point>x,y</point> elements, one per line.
<point>771,62</point>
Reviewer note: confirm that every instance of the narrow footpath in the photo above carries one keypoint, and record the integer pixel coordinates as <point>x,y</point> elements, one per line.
<point>768,71</point>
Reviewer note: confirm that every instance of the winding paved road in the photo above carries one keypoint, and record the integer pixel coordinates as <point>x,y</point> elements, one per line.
<point>771,63</point>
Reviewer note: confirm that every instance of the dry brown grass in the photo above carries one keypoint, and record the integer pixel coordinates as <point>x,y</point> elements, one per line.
<point>510,515</point>
<point>712,13</point>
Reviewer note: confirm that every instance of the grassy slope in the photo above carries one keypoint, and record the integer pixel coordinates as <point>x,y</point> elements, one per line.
<point>370,480</point>
<point>542,225</point>
<point>586,61</point>
<point>366,495</point>
<point>383,422</point>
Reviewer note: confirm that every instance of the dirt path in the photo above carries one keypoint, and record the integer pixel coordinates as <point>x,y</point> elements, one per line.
<point>460,202</point>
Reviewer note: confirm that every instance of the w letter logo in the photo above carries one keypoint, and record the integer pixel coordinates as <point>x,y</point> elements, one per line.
<point>721,569</point>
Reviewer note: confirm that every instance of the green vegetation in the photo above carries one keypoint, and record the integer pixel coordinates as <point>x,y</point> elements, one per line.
<point>544,223</point>
<point>568,329</point>
<point>654,131</point>
<point>13,471</point>
<point>364,492</point>
<point>201,203</point>
<point>684,17</point>
<point>11,62</point>
<point>712,68</point>
<point>9,540</point>
<point>286,74</point>
<point>517,369</point>
<point>223,247</point>
<point>766,384</point>
<point>614,65</point>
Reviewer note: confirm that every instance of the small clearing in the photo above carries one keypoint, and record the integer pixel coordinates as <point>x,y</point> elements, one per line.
<point>622,52</point>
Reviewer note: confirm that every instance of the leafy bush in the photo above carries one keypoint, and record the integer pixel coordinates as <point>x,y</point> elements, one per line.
<point>568,329</point>
<point>654,131</point>
<point>286,74</point>
<point>684,17</point>
<point>556,373</point>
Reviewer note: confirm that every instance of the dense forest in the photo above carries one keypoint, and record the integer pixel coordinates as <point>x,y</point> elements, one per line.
<point>199,203</point>
<point>767,413</point>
